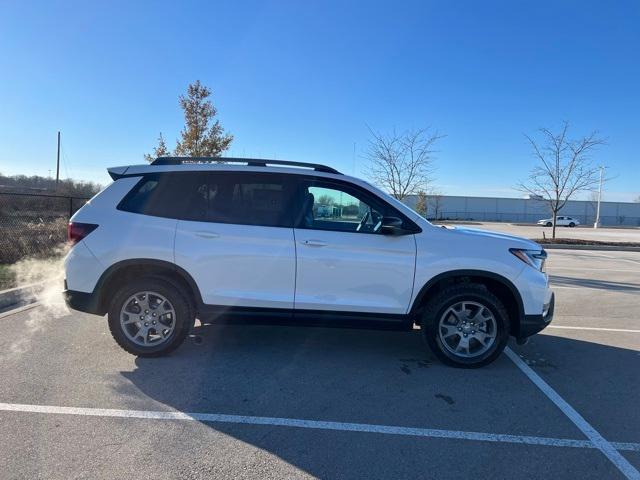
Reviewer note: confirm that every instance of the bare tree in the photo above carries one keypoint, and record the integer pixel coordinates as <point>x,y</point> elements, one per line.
<point>401,163</point>
<point>564,167</point>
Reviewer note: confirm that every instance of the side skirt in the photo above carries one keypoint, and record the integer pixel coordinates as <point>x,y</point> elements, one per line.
<point>215,314</point>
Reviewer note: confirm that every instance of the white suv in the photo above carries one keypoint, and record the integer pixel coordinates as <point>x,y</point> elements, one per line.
<point>301,243</point>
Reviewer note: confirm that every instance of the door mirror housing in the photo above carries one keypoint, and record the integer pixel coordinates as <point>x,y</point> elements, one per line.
<point>393,226</point>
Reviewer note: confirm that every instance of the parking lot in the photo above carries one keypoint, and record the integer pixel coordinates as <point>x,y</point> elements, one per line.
<point>582,232</point>
<point>260,401</point>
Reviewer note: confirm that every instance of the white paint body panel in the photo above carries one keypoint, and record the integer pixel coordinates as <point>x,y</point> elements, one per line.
<point>353,272</point>
<point>82,268</point>
<point>441,250</point>
<point>122,235</point>
<point>238,265</point>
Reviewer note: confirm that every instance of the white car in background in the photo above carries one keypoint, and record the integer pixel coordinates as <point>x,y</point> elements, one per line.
<point>560,222</point>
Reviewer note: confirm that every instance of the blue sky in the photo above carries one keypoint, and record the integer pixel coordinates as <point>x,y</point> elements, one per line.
<point>301,80</point>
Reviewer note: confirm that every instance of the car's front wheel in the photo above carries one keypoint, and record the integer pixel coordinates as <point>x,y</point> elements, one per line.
<point>572,224</point>
<point>465,325</point>
<point>150,317</point>
<point>549,224</point>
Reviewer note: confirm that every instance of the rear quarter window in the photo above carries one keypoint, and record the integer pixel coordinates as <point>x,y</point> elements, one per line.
<point>183,196</point>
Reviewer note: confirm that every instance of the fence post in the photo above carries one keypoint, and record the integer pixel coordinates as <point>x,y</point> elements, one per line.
<point>70,207</point>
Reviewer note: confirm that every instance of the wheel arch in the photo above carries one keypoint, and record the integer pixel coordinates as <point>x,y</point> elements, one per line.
<point>500,286</point>
<point>131,268</point>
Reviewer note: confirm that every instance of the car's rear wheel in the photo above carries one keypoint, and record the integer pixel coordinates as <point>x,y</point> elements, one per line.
<point>465,325</point>
<point>150,317</point>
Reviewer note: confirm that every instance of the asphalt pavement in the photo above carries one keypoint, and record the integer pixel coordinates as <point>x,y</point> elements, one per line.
<point>294,402</point>
<point>583,232</point>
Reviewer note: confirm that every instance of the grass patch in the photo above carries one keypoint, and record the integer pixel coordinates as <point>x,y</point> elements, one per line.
<point>7,278</point>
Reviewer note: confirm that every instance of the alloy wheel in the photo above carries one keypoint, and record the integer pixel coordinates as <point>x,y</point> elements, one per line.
<point>467,329</point>
<point>147,318</point>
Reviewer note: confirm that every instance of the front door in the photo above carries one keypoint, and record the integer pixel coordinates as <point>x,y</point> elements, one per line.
<point>344,262</point>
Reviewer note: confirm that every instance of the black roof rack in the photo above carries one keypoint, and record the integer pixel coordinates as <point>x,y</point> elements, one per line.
<point>251,162</point>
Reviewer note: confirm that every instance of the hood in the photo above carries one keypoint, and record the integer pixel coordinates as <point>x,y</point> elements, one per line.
<point>484,235</point>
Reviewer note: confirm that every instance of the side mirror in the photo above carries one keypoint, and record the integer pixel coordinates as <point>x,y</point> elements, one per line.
<point>392,226</point>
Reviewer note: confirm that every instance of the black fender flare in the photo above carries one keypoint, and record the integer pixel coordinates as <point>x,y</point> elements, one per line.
<point>113,269</point>
<point>421,296</point>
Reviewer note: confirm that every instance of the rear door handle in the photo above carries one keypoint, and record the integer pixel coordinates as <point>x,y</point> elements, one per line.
<point>205,234</point>
<point>314,243</point>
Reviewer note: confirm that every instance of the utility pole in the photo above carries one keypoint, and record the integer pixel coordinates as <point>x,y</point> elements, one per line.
<point>597,222</point>
<point>58,163</point>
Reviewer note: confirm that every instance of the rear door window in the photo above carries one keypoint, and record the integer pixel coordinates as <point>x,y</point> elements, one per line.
<point>251,199</point>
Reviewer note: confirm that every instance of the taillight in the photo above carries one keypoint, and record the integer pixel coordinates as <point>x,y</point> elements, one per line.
<point>77,231</point>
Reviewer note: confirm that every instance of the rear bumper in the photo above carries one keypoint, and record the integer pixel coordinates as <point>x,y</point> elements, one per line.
<point>82,301</point>
<point>532,324</point>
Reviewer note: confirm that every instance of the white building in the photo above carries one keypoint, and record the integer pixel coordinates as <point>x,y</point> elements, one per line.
<point>526,210</point>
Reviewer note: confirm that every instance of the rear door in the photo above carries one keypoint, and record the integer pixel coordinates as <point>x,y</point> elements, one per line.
<point>242,253</point>
<point>344,262</point>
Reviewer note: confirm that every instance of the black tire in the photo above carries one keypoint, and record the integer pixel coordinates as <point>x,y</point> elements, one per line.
<point>549,224</point>
<point>470,292</point>
<point>177,297</point>
<point>572,224</point>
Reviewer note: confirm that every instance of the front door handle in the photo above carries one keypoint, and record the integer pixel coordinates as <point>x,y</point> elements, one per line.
<point>314,243</point>
<point>205,234</point>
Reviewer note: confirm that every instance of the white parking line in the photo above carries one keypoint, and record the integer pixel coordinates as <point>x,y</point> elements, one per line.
<point>597,329</point>
<point>311,424</point>
<point>591,433</point>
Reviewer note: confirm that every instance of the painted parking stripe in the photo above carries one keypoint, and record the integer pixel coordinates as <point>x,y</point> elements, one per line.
<point>591,433</point>
<point>310,424</point>
<point>596,329</point>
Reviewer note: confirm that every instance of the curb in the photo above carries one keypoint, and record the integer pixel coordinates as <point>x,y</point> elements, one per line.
<point>18,296</point>
<point>611,248</point>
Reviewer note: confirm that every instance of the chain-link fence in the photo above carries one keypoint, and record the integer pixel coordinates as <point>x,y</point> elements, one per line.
<point>33,225</point>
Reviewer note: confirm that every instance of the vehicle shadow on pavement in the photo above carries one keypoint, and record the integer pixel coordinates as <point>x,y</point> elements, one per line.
<point>388,378</point>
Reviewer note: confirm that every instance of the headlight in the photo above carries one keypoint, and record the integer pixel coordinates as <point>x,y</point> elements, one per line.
<point>533,258</point>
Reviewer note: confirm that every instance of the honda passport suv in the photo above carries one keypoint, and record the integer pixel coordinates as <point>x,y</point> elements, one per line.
<point>224,239</point>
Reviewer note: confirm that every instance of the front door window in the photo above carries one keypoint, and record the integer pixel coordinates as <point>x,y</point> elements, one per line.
<point>329,208</point>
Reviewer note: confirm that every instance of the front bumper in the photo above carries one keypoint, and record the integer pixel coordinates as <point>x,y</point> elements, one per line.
<point>532,324</point>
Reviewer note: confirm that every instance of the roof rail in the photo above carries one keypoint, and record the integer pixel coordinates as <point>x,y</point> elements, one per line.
<point>251,162</point>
